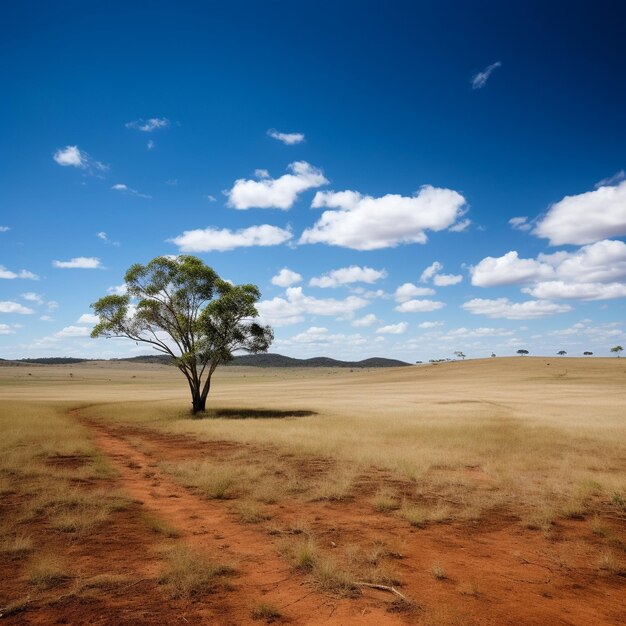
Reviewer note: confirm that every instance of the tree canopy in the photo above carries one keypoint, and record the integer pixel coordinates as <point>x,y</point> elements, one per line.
<point>182,308</point>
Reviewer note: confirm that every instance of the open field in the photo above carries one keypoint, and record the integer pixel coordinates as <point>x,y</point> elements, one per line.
<point>485,492</point>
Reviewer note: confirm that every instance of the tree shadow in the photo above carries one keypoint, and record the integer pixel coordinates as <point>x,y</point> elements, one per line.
<point>239,414</point>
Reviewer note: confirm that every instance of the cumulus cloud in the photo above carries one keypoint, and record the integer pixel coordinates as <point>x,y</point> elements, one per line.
<point>480,79</point>
<point>73,156</point>
<point>367,223</point>
<point>393,329</point>
<point>80,262</point>
<point>31,296</point>
<point>365,321</point>
<point>593,272</point>
<point>4,229</point>
<point>445,280</point>
<point>8,306</point>
<point>88,318</point>
<point>559,290</point>
<point>430,271</point>
<point>292,308</point>
<point>10,275</point>
<point>409,290</point>
<point>289,139</point>
<point>348,275</point>
<point>419,306</point>
<point>520,223</point>
<point>149,125</point>
<point>5,329</point>
<point>429,325</point>
<point>504,308</point>
<point>215,239</point>
<point>118,290</point>
<point>74,331</point>
<point>286,278</point>
<point>586,217</point>
<point>461,226</point>
<point>275,193</point>
<point>104,237</point>
<point>508,269</point>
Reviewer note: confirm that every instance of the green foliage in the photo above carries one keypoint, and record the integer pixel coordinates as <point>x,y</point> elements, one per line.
<point>617,349</point>
<point>182,308</point>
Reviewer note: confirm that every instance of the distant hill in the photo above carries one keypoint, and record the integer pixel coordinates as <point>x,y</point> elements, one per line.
<point>249,360</point>
<point>278,360</point>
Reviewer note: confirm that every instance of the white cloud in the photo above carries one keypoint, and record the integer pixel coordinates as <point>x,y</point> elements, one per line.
<point>5,329</point>
<point>611,180</point>
<point>508,269</point>
<point>430,271</point>
<point>214,239</point>
<point>445,280</point>
<point>348,275</point>
<point>81,262</point>
<point>557,289</point>
<point>593,272</point>
<point>429,325</point>
<point>504,308</point>
<point>586,217</point>
<point>393,329</point>
<point>72,156</point>
<point>419,306</point>
<point>480,79</point>
<point>261,173</point>
<point>4,229</point>
<point>10,275</point>
<point>292,308</point>
<point>365,321</point>
<point>368,223</point>
<point>461,226</point>
<point>477,332</point>
<point>46,318</point>
<point>409,290</point>
<point>150,145</point>
<point>7,306</point>
<point>128,190</point>
<point>88,318</point>
<point>52,305</point>
<point>31,296</point>
<point>520,223</point>
<point>118,290</point>
<point>278,193</point>
<point>286,278</point>
<point>74,331</point>
<point>288,139</point>
<point>211,198</point>
<point>149,125</point>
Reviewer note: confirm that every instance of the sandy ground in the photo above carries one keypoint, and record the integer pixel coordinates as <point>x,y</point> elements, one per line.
<point>458,422</point>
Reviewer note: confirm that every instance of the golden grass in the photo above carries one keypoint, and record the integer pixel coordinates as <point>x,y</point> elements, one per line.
<point>47,570</point>
<point>497,434</point>
<point>266,612</point>
<point>190,574</point>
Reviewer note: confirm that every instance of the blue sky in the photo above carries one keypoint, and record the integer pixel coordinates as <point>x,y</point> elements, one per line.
<point>431,178</point>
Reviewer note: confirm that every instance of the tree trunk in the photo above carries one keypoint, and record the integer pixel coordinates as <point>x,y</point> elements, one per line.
<point>198,404</point>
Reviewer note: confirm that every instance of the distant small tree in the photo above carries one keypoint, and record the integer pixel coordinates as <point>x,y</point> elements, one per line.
<point>617,350</point>
<point>179,306</point>
<point>522,352</point>
<point>561,353</point>
<point>493,354</point>
<point>459,354</point>
<point>587,353</point>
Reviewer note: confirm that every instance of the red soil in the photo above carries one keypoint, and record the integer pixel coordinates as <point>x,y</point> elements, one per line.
<point>497,572</point>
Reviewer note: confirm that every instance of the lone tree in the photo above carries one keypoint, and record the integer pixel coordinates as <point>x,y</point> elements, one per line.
<point>182,308</point>
<point>617,350</point>
<point>522,352</point>
<point>587,353</point>
<point>561,353</point>
<point>459,354</point>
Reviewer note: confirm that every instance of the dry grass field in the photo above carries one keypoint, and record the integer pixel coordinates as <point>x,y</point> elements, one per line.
<point>479,492</point>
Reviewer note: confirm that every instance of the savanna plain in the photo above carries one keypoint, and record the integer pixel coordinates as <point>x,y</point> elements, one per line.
<point>480,492</point>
